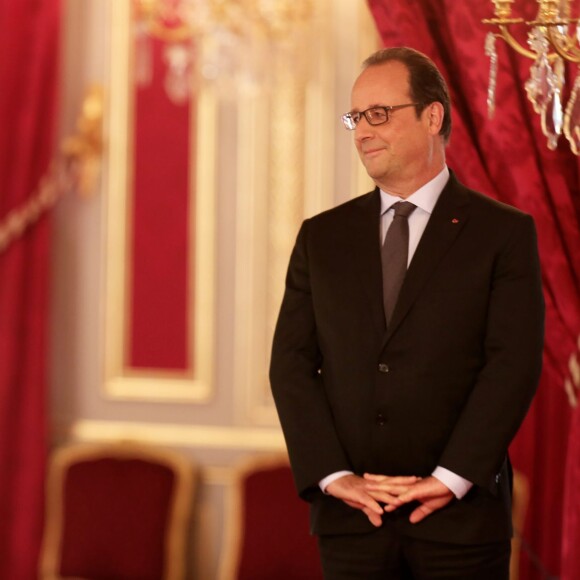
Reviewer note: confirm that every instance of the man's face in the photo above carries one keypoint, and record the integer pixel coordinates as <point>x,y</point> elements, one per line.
<point>401,150</point>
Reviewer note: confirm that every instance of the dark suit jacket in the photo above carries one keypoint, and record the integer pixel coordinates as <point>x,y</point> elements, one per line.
<point>447,384</point>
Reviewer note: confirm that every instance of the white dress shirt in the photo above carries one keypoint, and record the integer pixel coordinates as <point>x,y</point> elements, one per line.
<point>425,199</point>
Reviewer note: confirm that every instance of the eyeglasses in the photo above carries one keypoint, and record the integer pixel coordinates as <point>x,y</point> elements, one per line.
<point>374,115</point>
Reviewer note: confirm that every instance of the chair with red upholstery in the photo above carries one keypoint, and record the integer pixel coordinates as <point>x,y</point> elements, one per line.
<point>116,511</point>
<point>268,526</point>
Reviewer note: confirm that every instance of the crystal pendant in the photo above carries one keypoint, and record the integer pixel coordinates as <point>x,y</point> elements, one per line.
<point>540,86</point>
<point>552,113</point>
<point>552,119</point>
<point>543,80</point>
<point>572,118</point>
<point>491,52</point>
<point>178,78</point>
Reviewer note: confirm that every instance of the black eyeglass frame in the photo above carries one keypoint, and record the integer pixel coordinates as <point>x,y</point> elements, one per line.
<point>352,118</point>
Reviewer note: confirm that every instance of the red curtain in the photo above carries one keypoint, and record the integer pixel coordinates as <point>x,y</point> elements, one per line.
<point>28,62</point>
<point>507,158</point>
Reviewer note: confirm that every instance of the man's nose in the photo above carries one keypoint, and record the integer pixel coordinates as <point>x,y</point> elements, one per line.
<point>363,129</point>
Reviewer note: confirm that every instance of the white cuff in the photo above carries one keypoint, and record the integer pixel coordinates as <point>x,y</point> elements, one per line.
<point>324,483</point>
<point>457,484</point>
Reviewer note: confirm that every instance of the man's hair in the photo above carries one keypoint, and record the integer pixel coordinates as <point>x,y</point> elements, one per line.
<point>426,83</point>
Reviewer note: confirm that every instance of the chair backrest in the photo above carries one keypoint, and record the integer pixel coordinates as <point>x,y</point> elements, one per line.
<point>520,503</point>
<point>268,530</point>
<point>116,510</point>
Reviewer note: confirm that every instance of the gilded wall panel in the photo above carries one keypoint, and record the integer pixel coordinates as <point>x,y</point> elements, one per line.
<point>160,230</point>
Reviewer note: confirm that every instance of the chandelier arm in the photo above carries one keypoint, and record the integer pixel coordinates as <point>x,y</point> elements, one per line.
<point>568,127</point>
<point>569,53</point>
<point>511,41</point>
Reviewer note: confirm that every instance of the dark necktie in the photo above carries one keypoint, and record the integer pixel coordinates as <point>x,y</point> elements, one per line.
<point>394,256</point>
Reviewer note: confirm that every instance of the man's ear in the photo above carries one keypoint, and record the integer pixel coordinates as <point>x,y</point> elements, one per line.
<point>435,114</point>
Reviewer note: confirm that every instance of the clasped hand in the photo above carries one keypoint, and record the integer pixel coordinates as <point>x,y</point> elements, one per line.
<point>369,492</point>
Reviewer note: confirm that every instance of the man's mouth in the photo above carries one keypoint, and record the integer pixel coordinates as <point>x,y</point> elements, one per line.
<point>372,152</point>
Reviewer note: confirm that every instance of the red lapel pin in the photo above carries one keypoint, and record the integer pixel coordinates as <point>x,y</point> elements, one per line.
<point>454,221</point>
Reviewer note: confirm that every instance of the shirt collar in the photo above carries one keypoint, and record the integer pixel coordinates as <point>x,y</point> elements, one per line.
<point>425,197</point>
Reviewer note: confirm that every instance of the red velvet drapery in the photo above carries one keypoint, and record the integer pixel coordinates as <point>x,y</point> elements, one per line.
<point>507,158</point>
<point>28,50</point>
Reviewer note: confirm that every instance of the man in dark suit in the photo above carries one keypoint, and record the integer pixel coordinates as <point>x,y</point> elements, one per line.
<point>399,392</point>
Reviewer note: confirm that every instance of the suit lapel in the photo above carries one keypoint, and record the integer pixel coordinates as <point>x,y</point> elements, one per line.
<point>448,218</point>
<point>365,255</point>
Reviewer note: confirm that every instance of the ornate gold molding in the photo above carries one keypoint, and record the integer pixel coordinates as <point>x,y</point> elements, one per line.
<point>77,167</point>
<point>84,149</point>
<point>177,435</point>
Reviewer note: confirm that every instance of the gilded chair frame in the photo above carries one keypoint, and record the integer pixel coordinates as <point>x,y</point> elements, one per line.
<point>232,547</point>
<point>63,458</point>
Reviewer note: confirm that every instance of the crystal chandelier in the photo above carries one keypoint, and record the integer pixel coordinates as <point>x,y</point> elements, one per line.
<point>228,43</point>
<point>553,39</point>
